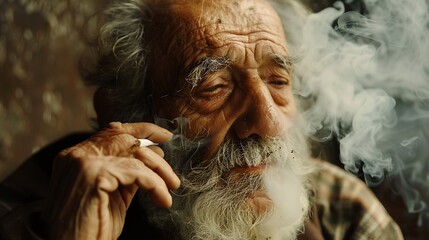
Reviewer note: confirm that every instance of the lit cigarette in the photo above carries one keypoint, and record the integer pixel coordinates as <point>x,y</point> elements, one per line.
<point>146,142</point>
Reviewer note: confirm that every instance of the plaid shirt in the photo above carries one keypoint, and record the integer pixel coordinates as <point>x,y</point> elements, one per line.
<point>347,208</point>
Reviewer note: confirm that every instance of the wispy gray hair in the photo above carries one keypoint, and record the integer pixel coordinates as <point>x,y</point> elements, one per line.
<point>123,60</point>
<point>122,64</point>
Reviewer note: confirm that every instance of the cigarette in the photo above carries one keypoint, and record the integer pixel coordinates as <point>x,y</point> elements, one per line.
<point>146,142</point>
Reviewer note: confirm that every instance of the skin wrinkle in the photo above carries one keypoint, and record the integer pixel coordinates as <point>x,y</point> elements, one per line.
<point>238,45</point>
<point>225,118</point>
<point>188,27</point>
<point>211,42</point>
<point>231,28</point>
<point>202,12</point>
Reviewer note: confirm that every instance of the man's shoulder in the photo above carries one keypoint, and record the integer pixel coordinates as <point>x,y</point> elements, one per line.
<point>348,209</point>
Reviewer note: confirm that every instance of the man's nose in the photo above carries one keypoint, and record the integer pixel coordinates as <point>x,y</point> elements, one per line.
<point>261,116</point>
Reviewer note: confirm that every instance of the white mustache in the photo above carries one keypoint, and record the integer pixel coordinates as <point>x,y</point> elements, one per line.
<point>250,152</point>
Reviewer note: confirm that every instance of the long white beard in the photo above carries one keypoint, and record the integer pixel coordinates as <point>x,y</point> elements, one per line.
<point>213,205</point>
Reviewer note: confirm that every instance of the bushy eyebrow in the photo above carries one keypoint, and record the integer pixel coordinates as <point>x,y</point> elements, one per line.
<point>209,65</point>
<point>283,61</point>
<point>206,66</point>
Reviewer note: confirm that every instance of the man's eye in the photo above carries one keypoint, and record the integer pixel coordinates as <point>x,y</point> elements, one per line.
<point>213,89</point>
<point>279,82</point>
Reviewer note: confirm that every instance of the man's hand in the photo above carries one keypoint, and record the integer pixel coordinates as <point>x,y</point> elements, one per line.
<point>94,182</point>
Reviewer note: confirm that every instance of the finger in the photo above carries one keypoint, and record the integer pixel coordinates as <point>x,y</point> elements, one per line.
<point>158,165</point>
<point>127,193</point>
<point>157,188</point>
<point>142,130</point>
<point>161,197</point>
<point>127,171</point>
<point>157,150</point>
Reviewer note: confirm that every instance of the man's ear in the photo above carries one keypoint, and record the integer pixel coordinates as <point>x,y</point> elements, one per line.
<point>103,107</point>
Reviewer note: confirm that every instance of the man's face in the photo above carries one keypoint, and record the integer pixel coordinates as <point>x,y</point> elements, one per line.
<point>223,65</point>
<point>234,74</point>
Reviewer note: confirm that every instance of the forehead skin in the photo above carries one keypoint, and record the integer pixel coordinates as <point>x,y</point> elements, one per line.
<point>212,24</point>
<point>191,30</point>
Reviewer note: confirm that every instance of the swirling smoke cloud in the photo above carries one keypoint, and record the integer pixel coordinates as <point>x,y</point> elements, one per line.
<point>367,81</point>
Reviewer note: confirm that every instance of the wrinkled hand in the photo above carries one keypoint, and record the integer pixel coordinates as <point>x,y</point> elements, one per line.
<point>94,182</point>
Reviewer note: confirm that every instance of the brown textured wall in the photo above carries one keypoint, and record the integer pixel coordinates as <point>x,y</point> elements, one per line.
<point>41,95</point>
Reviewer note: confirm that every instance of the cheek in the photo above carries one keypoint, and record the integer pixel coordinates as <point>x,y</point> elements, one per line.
<point>205,126</point>
<point>212,117</point>
<point>212,129</point>
<point>281,97</point>
<point>291,106</point>
<point>209,106</point>
<point>284,100</point>
<point>203,118</point>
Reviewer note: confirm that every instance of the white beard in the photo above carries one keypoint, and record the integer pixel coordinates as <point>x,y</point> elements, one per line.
<point>212,206</point>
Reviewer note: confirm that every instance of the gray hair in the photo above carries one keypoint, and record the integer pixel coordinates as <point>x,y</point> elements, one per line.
<point>122,64</point>
<point>123,60</point>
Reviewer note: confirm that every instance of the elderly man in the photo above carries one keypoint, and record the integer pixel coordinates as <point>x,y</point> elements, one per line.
<point>217,74</point>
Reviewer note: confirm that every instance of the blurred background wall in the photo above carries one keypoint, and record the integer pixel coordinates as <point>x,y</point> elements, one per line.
<point>41,95</point>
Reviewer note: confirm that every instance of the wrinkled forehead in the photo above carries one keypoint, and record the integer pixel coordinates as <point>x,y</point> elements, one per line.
<point>186,31</point>
<point>190,25</point>
<point>225,13</point>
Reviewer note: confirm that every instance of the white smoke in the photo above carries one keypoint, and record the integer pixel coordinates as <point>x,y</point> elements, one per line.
<point>365,81</point>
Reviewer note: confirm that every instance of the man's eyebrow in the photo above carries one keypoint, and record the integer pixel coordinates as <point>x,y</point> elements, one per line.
<point>283,61</point>
<point>206,66</point>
